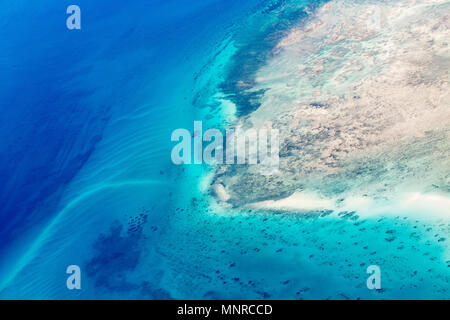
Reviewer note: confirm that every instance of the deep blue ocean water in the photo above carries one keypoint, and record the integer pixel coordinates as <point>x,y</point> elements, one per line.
<point>86,119</point>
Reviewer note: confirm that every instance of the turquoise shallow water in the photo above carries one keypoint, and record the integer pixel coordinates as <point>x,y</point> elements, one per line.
<point>89,180</point>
